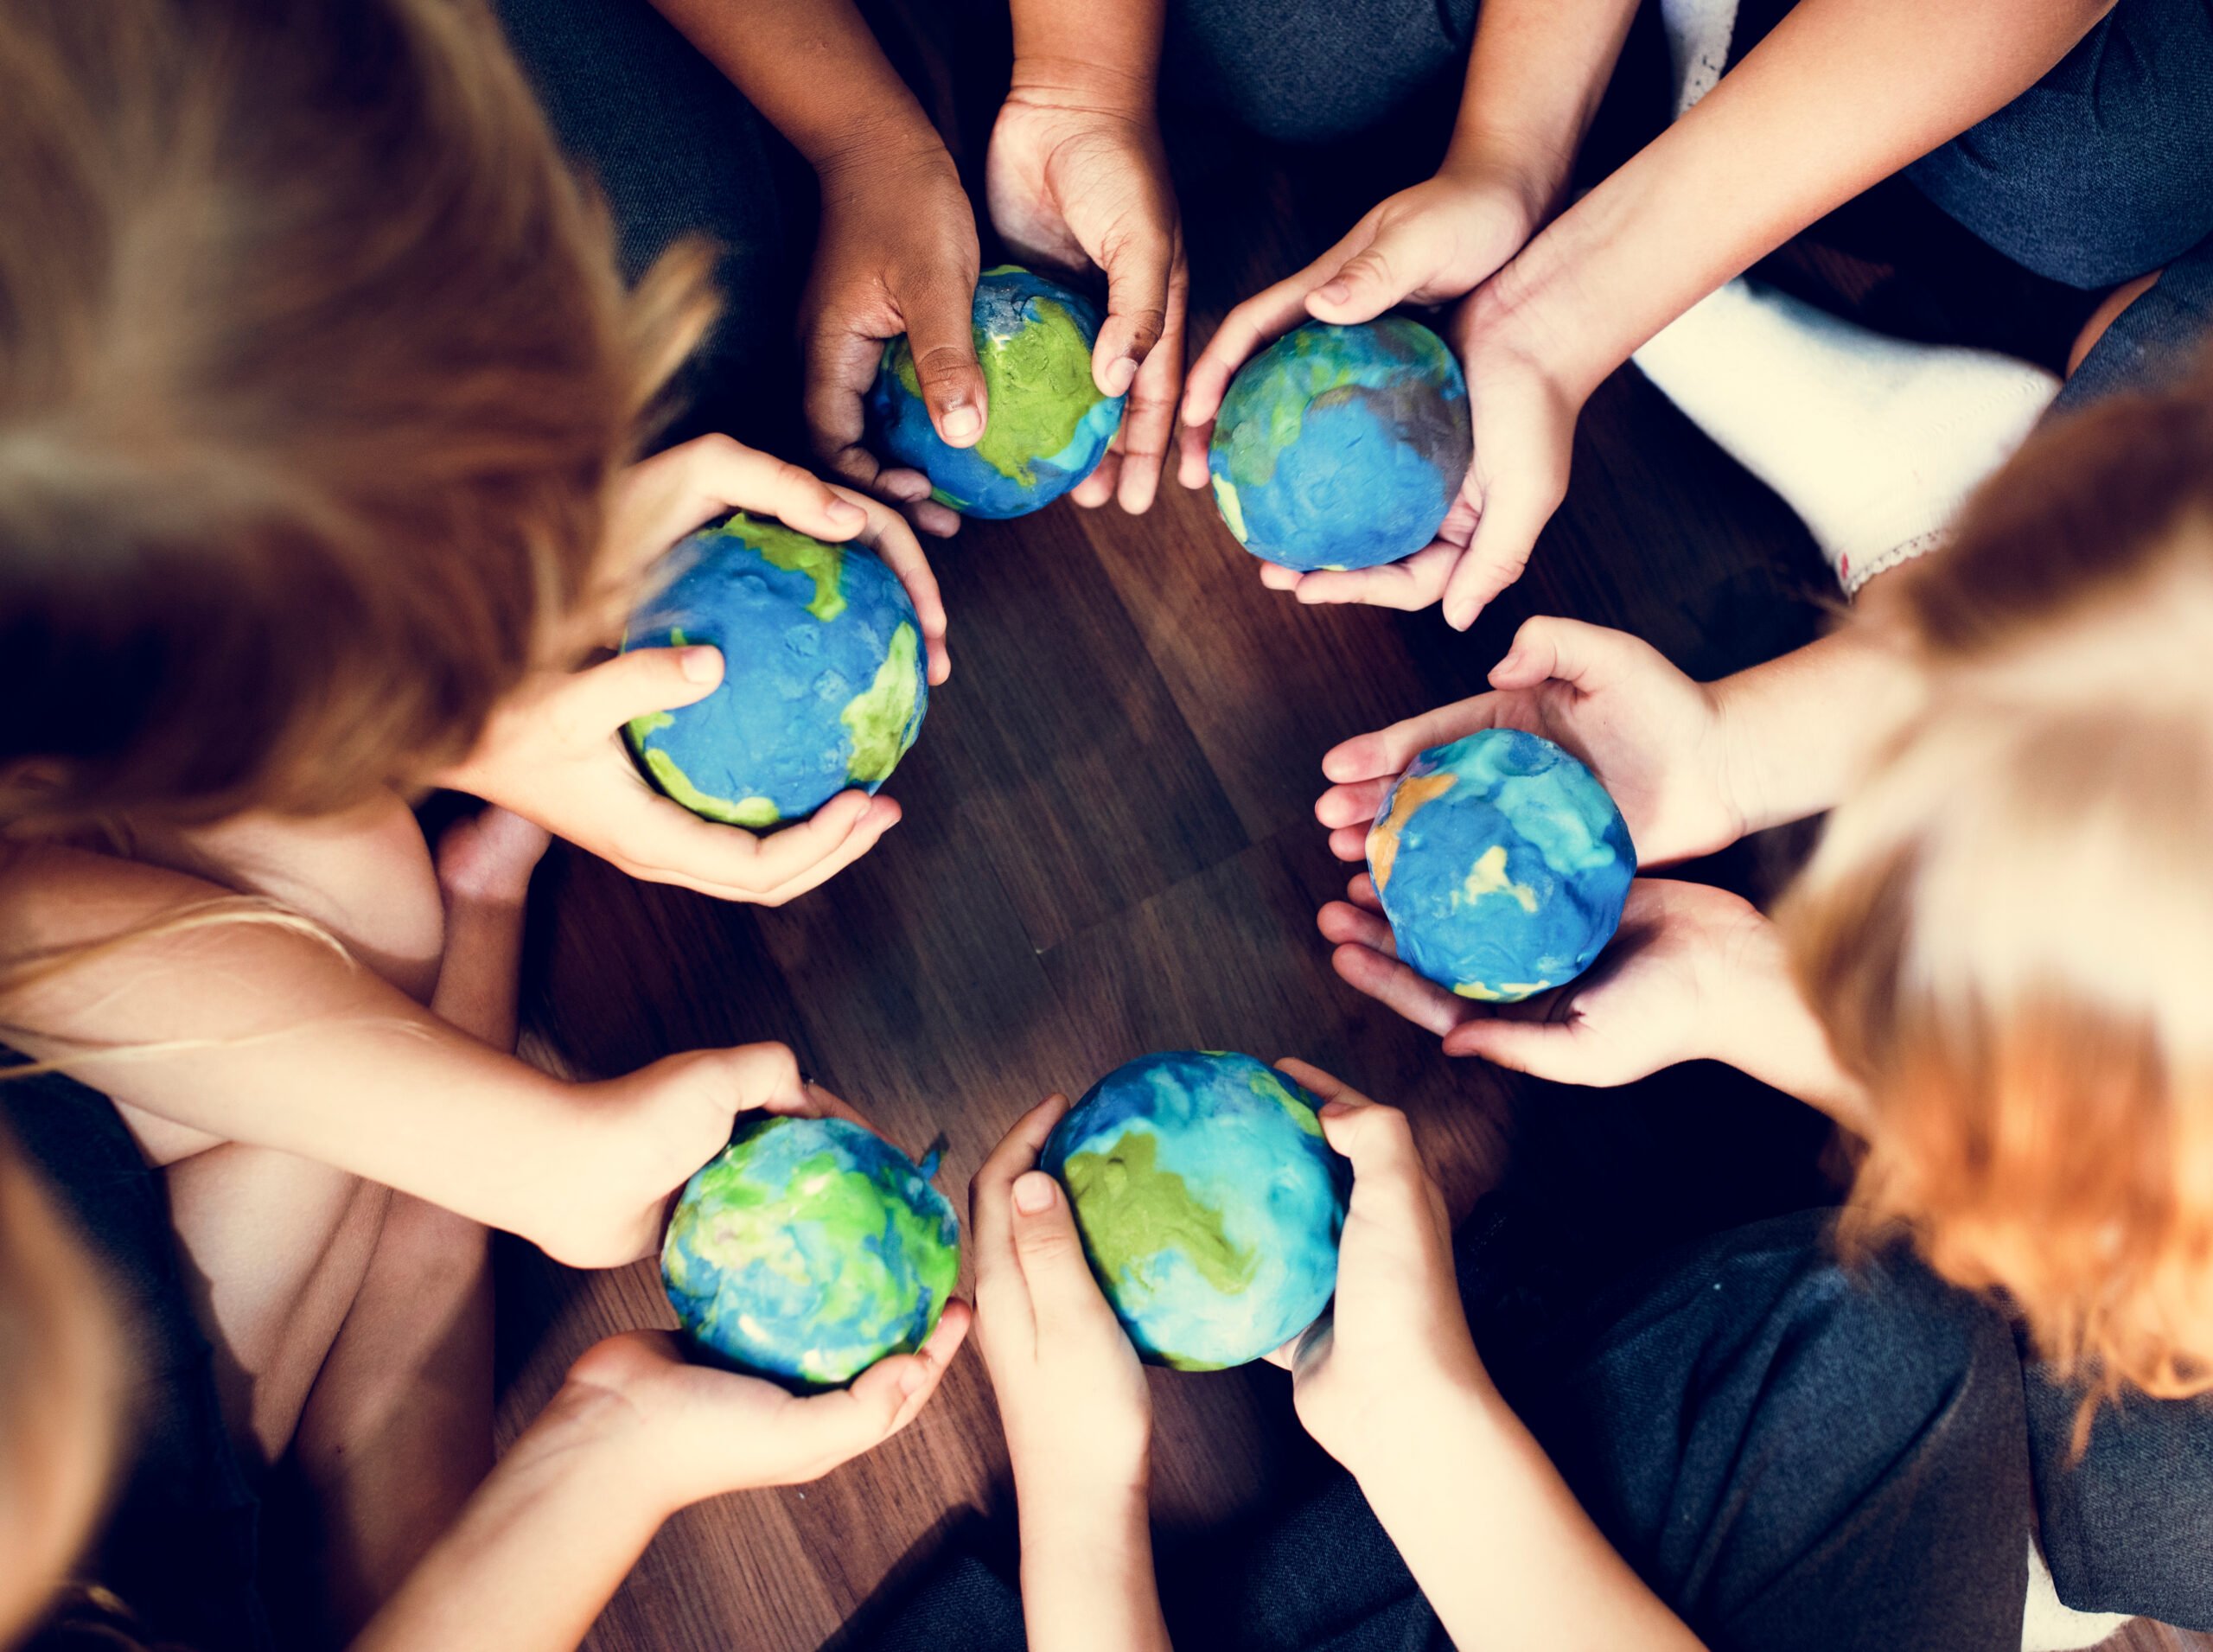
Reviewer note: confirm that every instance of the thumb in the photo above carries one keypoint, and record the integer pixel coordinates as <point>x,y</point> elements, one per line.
<point>1549,1050</point>
<point>1061,1290</point>
<point>1570,651</point>
<point>1137,308</point>
<point>637,683</point>
<point>1505,534</point>
<point>941,336</point>
<point>1380,1142</point>
<point>1381,275</point>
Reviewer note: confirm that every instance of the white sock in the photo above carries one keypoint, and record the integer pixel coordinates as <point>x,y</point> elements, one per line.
<point>1698,45</point>
<point>1875,442</point>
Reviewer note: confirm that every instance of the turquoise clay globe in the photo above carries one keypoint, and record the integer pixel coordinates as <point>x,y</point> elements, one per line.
<point>1047,425</point>
<point>1501,865</point>
<point>1342,447</point>
<point>808,1250</point>
<point>823,681</point>
<point>1208,1203</point>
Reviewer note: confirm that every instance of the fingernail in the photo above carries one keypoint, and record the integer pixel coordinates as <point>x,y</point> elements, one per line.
<point>700,665</point>
<point>1121,376</point>
<point>845,513</point>
<point>909,488</point>
<point>1334,292</point>
<point>961,424</point>
<point>1033,1193</point>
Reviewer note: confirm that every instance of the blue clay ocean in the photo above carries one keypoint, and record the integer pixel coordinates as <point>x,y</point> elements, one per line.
<point>824,684</point>
<point>1502,865</point>
<point>1209,1204</point>
<point>1047,425</point>
<point>808,1250</point>
<point>1342,446</point>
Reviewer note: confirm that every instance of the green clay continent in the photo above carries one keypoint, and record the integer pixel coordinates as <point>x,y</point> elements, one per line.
<point>1131,1210</point>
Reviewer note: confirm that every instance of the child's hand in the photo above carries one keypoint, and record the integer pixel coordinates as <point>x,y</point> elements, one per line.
<point>1673,986</point>
<point>1071,1393</point>
<point>552,751</point>
<point>896,253</point>
<point>1077,177</point>
<point>672,1432</point>
<point>602,1198</point>
<point>1394,1343</point>
<point>1654,739</point>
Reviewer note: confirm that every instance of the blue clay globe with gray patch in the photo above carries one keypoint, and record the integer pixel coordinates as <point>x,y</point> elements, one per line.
<point>1502,864</point>
<point>823,681</point>
<point>1342,447</point>
<point>808,1250</point>
<point>1208,1202</point>
<point>1047,425</point>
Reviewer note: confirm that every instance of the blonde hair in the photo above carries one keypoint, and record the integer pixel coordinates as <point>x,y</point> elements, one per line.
<point>315,367</point>
<point>2008,928</point>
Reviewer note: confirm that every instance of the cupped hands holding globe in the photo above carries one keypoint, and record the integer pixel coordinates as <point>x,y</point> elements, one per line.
<point>1447,240</point>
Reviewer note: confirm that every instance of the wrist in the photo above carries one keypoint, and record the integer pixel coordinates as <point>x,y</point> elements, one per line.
<point>896,142</point>
<point>590,1441</point>
<point>1432,1424</point>
<point>1482,163</point>
<point>1059,1514</point>
<point>1058,80</point>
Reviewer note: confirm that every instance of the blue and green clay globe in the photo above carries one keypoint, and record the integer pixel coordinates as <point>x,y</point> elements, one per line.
<point>1208,1203</point>
<point>1342,447</point>
<point>1046,427</point>
<point>823,681</point>
<point>808,1250</point>
<point>1502,864</point>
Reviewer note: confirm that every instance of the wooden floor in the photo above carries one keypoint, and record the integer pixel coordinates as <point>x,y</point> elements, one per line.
<point>1108,848</point>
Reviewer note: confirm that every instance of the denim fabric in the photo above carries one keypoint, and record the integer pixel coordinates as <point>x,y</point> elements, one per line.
<point>180,1546</point>
<point>2161,336</point>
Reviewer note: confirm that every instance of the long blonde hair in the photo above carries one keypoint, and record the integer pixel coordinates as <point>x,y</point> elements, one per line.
<point>2008,927</point>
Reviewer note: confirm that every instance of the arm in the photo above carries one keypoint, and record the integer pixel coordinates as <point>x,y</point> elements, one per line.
<point>263,1030</point>
<point>1077,1411</point>
<point>1390,1384</point>
<point>634,1435</point>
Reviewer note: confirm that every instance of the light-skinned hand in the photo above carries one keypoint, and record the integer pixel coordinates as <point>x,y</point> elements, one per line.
<point>1077,178</point>
<point>1656,740</point>
<point>1394,1342</point>
<point>552,751</point>
<point>896,253</point>
<point>1671,986</point>
<point>1071,1393</point>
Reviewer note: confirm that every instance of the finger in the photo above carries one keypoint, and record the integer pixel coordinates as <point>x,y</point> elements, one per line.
<point>764,1076</point>
<point>1559,1050</point>
<point>1138,268</point>
<point>1378,1140</point>
<point>1191,441</point>
<point>1149,418</point>
<point>827,1429</point>
<point>725,474</point>
<point>1395,987</point>
<point>1385,753</point>
<point>813,1101</point>
<point>1411,584</point>
<point>635,684</point>
<point>1505,534</point>
<point>941,334</point>
<point>1590,657</point>
<point>1328,1086</point>
<point>1397,261</point>
<point>1356,805</point>
<point>841,366</point>
<point>881,815</point>
<point>1276,577</point>
<point>1361,892</point>
<point>1266,315</point>
<point>1098,488</point>
<point>664,842</point>
<point>1346,925</point>
<point>1064,1299</point>
<point>990,1208</point>
<point>888,534</point>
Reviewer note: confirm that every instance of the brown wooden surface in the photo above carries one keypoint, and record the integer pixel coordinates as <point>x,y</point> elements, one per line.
<point>1109,848</point>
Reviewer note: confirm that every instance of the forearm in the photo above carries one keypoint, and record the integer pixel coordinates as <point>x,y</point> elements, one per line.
<point>1536,73</point>
<point>1087,1583</point>
<point>535,1556</point>
<point>1501,1547</point>
<point>264,1033</point>
<point>1077,46</point>
<point>1840,95</point>
<point>1797,730</point>
<point>813,71</point>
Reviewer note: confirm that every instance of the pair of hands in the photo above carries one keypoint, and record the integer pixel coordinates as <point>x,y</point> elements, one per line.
<point>1075,178</point>
<point>552,751</point>
<point>1448,240</point>
<point>1686,956</point>
<point>1072,1393</point>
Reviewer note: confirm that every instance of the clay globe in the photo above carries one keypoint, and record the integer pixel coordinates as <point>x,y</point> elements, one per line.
<point>1208,1203</point>
<point>1502,864</point>
<point>1342,447</point>
<point>1047,426</point>
<point>808,1250</point>
<point>823,681</point>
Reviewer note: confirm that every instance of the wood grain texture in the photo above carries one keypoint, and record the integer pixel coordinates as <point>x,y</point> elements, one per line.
<point>1108,847</point>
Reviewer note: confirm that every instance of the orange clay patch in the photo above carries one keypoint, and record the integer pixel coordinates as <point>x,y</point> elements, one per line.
<point>1383,838</point>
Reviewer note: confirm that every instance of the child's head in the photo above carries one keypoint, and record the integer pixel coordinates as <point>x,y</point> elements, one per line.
<point>2008,927</point>
<point>313,367</point>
